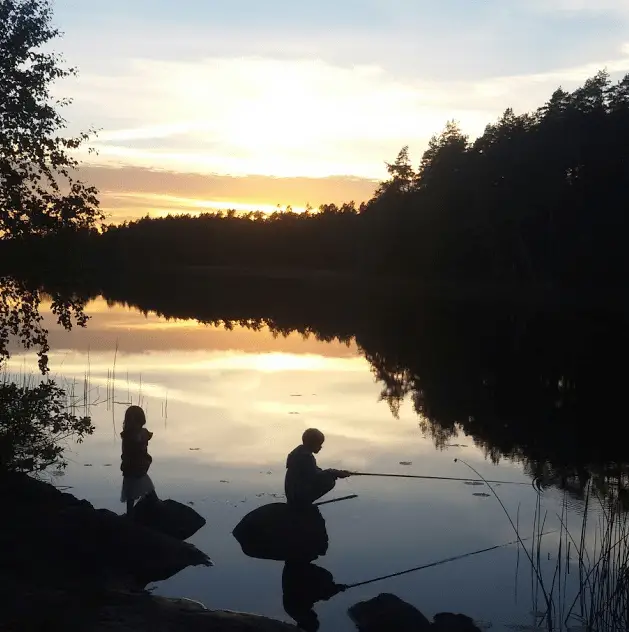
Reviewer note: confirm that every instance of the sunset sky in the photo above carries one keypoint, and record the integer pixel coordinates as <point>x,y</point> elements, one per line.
<point>249,104</point>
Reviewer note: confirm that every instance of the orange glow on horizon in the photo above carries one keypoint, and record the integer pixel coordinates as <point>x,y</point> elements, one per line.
<point>161,205</point>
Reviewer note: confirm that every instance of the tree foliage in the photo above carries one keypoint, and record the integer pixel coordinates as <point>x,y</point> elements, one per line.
<point>35,423</point>
<point>39,190</point>
<point>40,193</point>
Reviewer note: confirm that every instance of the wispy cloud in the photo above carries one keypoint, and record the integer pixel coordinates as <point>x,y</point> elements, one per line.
<point>293,118</point>
<point>589,6</point>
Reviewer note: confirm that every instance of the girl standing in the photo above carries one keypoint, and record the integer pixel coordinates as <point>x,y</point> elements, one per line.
<point>136,460</point>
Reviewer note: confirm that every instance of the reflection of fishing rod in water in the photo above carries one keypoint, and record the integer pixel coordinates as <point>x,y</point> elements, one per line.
<point>440,478</point>
<point>439,563</point>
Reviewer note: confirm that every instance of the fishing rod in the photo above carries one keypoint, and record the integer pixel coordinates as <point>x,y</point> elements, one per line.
<point>439,478</point>
<point>335,500</point>
<point>445,561</point>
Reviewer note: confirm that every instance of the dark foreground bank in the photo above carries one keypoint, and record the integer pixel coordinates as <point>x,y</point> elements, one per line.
<point>68,566</point>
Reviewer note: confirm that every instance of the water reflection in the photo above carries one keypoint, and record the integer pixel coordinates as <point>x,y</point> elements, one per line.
<point>526,383</point>
<point>228,400</point>
<point>304,584</point>
<point>297,537</point>
<point>523,387</point>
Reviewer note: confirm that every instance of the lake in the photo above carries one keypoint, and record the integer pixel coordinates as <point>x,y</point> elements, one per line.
<point>227,404</point>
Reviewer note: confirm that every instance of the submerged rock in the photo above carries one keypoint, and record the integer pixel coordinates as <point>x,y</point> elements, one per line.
<point>387,612</point>
<point>448,622</point>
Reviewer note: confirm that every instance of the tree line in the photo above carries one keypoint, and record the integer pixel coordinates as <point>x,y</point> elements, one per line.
<point>539,198</point>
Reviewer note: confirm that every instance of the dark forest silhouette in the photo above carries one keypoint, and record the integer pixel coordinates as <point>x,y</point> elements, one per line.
<point>539,198</point>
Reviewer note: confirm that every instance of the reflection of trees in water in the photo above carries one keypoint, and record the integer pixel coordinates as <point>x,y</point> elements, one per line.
<point>541,388</point>
<point>36,418</point>
<point>21,320</point>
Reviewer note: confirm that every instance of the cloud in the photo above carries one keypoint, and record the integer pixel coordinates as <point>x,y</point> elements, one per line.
<point>129,192</point>
<point>293,118</point>
<point>576,6</point>
<point>256,116</point>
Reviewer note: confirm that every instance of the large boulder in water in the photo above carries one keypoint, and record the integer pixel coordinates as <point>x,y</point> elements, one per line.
<point>280,532</point>
<point>169,517</point>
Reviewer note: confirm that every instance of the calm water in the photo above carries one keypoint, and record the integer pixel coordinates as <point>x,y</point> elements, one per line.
<point>227,406</point>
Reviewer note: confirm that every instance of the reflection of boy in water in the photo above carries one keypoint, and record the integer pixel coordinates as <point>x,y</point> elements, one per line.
<point>303,585</point>
<point>305,482</point>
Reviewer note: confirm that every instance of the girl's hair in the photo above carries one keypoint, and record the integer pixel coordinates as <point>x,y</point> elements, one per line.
<point>134,419</point>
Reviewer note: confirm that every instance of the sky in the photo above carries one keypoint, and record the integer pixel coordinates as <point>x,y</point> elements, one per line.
<point>204,104</point>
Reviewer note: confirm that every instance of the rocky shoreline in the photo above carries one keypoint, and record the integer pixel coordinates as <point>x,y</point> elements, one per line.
<point>69,567</point>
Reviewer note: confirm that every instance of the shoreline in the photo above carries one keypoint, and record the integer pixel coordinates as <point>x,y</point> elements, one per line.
<point>69,566</point>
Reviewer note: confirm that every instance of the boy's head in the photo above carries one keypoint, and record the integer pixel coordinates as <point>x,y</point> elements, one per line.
<point>313,439</point>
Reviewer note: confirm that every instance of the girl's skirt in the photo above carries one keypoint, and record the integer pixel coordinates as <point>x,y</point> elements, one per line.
<point>136,487</point>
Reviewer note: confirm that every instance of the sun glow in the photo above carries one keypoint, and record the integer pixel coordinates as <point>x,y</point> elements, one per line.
<point>161,205</point>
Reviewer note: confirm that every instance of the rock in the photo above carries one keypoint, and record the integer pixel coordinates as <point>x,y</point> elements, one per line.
<point>73,609</point>
<point>448,622</point>
<point>279,532</point>
<point>168,517</point>
<point>387,612</point>
<point>49,533</point>
<point>67,566</point>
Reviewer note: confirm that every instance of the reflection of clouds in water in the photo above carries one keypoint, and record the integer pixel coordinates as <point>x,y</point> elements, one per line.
<point>229,395</point>
<point>195,361</point>
<point>236,405</point>
<point>236,425</point>
<point>134,332</point>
